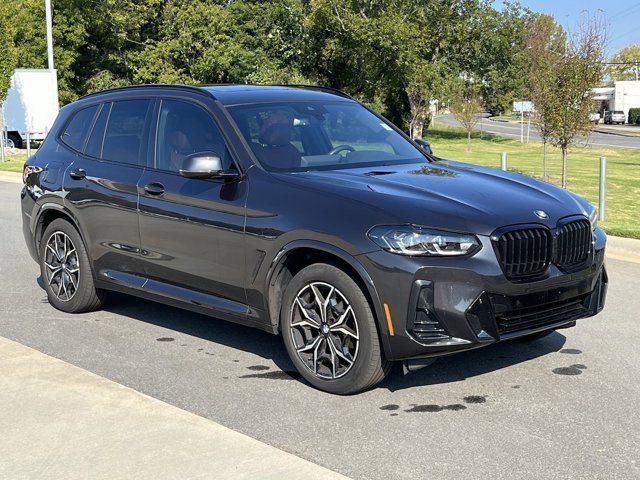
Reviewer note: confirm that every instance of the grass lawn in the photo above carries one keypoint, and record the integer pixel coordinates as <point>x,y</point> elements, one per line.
<point>623,170</point>
<point>14,163</point>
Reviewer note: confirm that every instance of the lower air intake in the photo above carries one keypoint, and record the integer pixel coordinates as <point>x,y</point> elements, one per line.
<point>423,324</point>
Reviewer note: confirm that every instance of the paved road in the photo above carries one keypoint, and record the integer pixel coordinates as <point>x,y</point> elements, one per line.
<point>563,407</point>
<point>509,129</point>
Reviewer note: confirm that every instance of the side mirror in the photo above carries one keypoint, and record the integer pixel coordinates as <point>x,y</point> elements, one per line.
<point>204,165</point>
<point>425,145</point>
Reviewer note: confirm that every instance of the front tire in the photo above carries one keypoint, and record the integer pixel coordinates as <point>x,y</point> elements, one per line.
<point>330,332</point>
<point>66,270</point>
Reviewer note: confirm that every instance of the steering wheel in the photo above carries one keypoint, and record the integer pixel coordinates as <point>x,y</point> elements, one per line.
<point>341,148</point>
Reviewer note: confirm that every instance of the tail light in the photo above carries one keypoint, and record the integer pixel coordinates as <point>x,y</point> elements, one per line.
<point>28,170</point>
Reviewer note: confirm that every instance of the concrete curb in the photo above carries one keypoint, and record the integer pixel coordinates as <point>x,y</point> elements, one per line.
<point>60,421</point>
<point>620,133</point>
<point>623,248</point>
<point>12,177</point>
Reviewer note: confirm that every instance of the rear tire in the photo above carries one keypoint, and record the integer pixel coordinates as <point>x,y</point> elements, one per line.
<point>14,140</point>
<point>330,332</point>
<point>66,270</point>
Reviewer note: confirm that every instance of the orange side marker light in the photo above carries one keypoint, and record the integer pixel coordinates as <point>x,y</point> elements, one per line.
<point>387,312</point>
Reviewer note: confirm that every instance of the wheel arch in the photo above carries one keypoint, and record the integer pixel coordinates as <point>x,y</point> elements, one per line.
<point>16,137</point>
<point>299,254</point>
<point>47,214</point>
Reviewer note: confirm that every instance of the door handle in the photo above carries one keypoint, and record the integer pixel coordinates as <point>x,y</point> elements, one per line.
<point>78,174</point>
<point>154,188</point>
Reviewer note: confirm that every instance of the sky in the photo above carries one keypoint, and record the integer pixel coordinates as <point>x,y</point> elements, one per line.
<point>622,17</point>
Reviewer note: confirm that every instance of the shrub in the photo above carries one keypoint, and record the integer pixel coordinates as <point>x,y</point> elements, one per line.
<point>634,116</point>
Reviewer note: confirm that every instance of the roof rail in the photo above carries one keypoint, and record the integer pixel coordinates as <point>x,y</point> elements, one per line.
<point>320,88</point>
<point>192,88</point>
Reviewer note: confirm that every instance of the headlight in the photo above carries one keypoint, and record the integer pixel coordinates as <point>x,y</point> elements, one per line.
<point>593,218</point>
<point>414,240</point>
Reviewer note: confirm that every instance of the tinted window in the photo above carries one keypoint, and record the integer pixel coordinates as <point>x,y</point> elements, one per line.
<point>78,127</point>
<point>125,134</point>
<point>183,129</point>
<point>94,144</point>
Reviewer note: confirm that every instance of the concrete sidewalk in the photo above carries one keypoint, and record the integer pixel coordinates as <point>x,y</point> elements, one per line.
<point>624,130</point>
<point>59,421</point>
<point>12,177</point>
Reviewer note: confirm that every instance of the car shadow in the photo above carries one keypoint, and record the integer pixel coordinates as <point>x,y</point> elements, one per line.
<point>207,328</point>
<point>473,363</point>
<point>270,347</point>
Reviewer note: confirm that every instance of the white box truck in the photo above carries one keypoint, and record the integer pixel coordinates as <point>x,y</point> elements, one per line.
<point>31,105</point>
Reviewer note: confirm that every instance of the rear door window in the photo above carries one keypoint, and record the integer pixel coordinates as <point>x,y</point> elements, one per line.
<point>76,130</point>
<point>127,132</point>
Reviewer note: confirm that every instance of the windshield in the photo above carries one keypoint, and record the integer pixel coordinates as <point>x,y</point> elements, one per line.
<point>300,136</point>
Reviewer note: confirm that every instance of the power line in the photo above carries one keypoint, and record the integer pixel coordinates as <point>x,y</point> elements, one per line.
<point>626,10</point>
<point>634,29</point>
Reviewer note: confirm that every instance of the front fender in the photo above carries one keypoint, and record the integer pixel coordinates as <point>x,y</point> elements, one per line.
<point>346,257</point>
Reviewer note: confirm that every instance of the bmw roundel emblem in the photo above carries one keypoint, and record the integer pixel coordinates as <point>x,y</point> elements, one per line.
<point>541,214</point>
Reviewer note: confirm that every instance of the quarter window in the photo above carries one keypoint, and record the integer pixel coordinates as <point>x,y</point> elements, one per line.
<point>94,144</point>
<point>124,137</point>
<point>76,131</point>
<point>184,129</point>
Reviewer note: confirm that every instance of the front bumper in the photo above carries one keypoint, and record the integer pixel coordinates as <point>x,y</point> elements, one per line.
<point>440,306</point>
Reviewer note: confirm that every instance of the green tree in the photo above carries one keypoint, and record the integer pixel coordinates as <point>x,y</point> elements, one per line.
<point>115,33</point>
<point>629,63</point>
<point>276,34</point>
<point>90,38</point>
<point>396,55</point>
<point>563,72</point>
<point>70,18</point>
<point>466,108</point>
<point>8,51</point>
<point>8,55</point>
<point>502,63</point>
<point>195,44</point>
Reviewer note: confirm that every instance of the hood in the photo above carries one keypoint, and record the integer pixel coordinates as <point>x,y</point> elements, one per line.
<point>449,195</point>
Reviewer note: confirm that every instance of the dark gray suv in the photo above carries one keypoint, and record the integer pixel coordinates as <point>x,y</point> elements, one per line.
<point>298,211</point>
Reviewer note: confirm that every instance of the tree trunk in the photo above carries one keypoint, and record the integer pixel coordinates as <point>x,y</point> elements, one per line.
<point>418,117</point>
<point>416,128</point>
<point>544,160</point>
<point>564,165</point>
<point>468,140</point>
<point>3,141</point>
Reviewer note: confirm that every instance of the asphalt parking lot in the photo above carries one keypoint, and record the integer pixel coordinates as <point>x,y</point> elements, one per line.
<point>563,407</point>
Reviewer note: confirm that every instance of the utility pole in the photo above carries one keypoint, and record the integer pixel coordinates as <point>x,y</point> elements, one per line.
<point>636,70</point>
<point>47,9</point>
